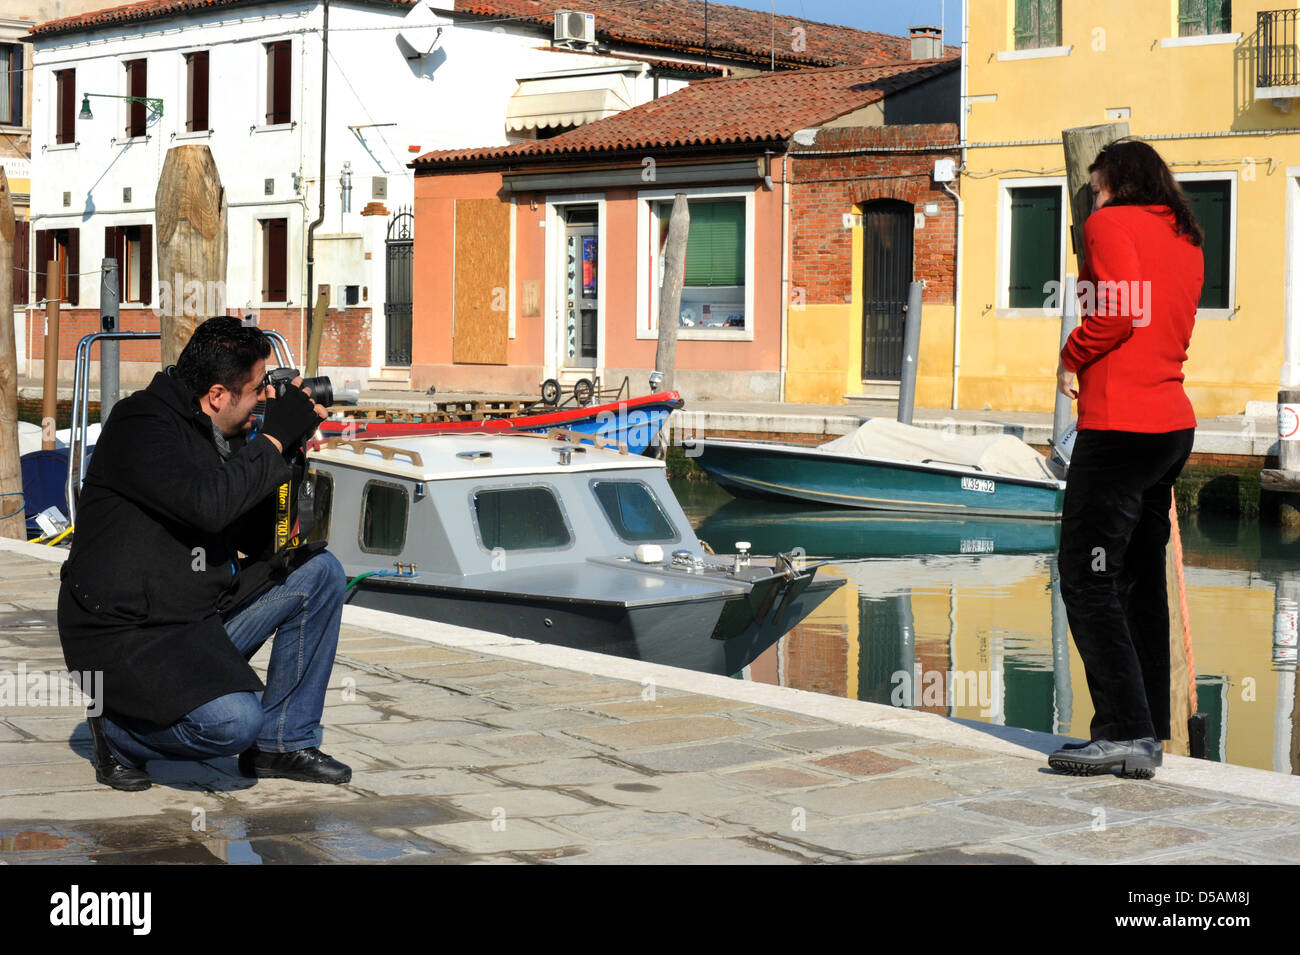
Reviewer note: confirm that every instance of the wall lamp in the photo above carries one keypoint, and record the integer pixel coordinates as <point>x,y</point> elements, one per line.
<point>155,105</point>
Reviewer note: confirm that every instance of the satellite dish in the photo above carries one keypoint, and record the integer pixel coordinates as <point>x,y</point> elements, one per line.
<point>420,33</point>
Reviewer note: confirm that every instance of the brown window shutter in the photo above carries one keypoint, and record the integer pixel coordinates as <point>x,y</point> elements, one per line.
<point>279,72</point>
<point>136,85</point>
<point>113,250</point>
<point>21,256</point>
<point>277,271</point>
<point>67,111</point>
<point>74,266</point>
<point>198,92</point>
<point>44,252</point>
<point>146,264</point>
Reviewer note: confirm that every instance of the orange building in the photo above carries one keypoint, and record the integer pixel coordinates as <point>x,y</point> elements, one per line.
<point>543,259</point>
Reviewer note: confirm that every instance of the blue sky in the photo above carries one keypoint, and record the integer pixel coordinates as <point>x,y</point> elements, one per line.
<point>884,16</point>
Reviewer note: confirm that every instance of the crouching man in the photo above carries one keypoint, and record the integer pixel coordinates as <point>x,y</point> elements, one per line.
<point>157,597</point>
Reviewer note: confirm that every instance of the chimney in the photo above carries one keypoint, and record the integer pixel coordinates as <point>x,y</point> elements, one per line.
<point>927,43</point>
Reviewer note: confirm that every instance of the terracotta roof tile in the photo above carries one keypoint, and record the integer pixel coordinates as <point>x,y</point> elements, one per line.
<point>151,10</point>
<point>679,25</point>
<point>770,107</point>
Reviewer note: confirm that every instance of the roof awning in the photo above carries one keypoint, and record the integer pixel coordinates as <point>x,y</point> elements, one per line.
<point>567,100</point>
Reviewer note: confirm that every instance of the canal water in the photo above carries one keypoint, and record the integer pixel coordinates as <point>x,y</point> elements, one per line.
<point>964,619</point>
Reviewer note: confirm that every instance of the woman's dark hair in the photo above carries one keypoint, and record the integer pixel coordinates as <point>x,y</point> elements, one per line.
<point>222,351</point>
<point>1135,175</point>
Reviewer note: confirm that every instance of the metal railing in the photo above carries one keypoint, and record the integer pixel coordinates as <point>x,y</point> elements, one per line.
<point>81,402</point>
<point>1278,63</point>
<point>81,411</point>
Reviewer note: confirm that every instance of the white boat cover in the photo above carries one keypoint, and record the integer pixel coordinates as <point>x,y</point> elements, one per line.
<point>999,454</point>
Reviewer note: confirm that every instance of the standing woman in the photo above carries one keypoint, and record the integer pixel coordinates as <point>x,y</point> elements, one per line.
<point>1144,268</point>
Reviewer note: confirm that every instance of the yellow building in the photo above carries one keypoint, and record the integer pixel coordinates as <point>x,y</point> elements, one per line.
<point>1211,84</point>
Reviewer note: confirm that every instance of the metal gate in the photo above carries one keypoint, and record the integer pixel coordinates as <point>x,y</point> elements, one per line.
<point>886,274</point>
<point>397,287</point>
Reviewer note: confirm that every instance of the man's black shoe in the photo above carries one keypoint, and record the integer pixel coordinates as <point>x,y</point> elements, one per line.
<point>108,770</point>
<point>308,765</point>
<point>1135,758</point>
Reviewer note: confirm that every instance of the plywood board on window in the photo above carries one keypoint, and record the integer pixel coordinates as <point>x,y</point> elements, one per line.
<point>482,275</point>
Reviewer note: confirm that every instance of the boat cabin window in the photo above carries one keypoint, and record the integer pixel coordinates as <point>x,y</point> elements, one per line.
<point>322,498</point>
<point>383,518</point>
<point>520,518</point>
<point>634,512</point>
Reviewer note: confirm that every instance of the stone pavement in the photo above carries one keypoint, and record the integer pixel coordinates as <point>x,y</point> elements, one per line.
<point>469,747</point>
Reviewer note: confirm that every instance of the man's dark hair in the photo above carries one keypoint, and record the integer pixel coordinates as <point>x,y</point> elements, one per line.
<point>1135,175</point>
<point>222,351</point>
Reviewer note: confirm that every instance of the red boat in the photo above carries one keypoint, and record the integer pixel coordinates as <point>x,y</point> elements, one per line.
<point>632,422</point>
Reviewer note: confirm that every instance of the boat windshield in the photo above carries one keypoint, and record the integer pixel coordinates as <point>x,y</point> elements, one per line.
<point>520,518</point>
<point>634,512</point>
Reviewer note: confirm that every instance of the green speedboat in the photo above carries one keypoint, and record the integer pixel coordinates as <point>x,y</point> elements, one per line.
<point>889,466</point>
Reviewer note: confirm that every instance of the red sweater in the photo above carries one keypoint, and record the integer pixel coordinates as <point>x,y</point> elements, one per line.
<point>1144,281</point>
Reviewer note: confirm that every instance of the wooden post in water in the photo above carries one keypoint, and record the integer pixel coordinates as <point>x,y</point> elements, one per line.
<point>12,522</point>
<point>50,387</point>
<point>670,294</point>
<point>1081,147</point>
<point>190,209</point>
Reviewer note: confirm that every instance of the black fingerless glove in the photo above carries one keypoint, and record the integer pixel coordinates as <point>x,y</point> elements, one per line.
<point>290,418</point>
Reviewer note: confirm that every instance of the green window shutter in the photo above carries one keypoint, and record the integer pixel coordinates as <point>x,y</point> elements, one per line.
<point>715,250</point>
<point>1026,24</point>
<point>1220,16</point>
<point>1212,205</point>
<point>1202,17</point>
<point>1035,245</point>
<point>1049,22</point>
<point>1038,24</point>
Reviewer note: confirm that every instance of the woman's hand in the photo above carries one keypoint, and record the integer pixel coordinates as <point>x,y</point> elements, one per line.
<point>1065,381</point>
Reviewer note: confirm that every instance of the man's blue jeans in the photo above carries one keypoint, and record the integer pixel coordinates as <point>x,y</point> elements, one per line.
<point>304,614</point>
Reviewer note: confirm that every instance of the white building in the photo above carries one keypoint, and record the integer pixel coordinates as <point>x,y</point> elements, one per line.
<point>401,77</point>
<point>247,82</point>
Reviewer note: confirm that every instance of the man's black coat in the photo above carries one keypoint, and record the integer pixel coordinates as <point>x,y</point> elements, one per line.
<point>153,566</point>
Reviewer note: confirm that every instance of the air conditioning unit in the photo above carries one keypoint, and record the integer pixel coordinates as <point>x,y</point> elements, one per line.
<point>574,27</point>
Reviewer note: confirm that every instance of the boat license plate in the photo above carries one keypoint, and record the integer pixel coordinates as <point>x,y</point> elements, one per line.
<point>976,545</point>
<point>978,484</point>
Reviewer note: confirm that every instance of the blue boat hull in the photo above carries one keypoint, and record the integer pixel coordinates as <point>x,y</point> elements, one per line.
<point>774,527</point>
<point>635,428</point>
<point>784,472</point>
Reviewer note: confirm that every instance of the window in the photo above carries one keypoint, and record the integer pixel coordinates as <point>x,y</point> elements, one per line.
<point>383,518</point>
<point>11,84</point>
<point>65,98</point>
<point>137,112</point>
<point>714,292</point>
<point>132,246</point>
<point>520,518</point>
<point>1211,201</point>
<point>22,232</point>
<point>633,511</point>
<point>279,67</point>
<point>1204,17</point>
<point>1038,24</point>
<point>64,246</point>
<point>275,271</point>
<point>1034,251</point>
<point>196,91</point>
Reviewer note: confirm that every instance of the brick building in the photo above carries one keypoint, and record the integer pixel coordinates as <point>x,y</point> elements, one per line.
<point>812,205</point>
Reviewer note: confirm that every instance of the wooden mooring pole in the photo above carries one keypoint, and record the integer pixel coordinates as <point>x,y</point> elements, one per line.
<point>13,523</point>
<point>190,209</point>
